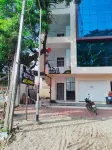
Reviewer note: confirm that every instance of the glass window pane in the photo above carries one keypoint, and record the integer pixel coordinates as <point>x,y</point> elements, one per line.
<point>73,79</point>
<point>68,86</point>
<point>72,87</point>
<point>94,54</point>
<point>60,62</point>
<point>70,79</point>
<point>95,15</point>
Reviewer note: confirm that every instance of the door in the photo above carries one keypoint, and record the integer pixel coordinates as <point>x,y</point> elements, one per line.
<point>60,91</point>
<point>97,89</point>
<point>70,89</point>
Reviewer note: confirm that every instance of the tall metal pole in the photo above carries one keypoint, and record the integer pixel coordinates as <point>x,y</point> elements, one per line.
<point>16,67</point>
<point>38,80</point>
<point>26,100</point>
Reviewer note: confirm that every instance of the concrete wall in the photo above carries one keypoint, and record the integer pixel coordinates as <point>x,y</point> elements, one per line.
<point>55,53</point>
<point>93,79</point>
<point>60,8</point>
<point>92,70</point>
<point>72,39</point>
<point>44,91</point>
<point>58,79</point>
<point>60,25</point>
<point>54,87</point>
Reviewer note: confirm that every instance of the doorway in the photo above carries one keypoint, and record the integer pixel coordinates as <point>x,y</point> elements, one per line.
<point>60,91</point>
<point>111,85</point>
<point>70,89</point>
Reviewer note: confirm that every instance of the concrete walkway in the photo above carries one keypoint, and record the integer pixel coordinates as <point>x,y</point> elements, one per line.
<point>61,106</point>
<point>60,111</point>
<point>80,104</point>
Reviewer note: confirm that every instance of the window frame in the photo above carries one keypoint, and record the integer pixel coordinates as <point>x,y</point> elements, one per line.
<point>60,62</point>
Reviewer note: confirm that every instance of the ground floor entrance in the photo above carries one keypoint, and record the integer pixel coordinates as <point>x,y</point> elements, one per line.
<point>60,91</point>
<point>63,88</point>
<point>70,88</point>
<point>76,88</point>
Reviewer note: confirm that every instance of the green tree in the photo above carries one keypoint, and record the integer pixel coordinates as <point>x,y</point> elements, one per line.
<point>9,25</point>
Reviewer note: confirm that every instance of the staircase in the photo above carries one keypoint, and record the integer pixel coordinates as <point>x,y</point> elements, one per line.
<point>45,90</point>
<point>47,81</point>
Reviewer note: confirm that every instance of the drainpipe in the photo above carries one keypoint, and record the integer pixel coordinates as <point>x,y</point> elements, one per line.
<point>50,87</point>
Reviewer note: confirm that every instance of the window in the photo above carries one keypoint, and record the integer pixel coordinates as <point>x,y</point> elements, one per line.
<point>95,18</point>
<point>70,84</point>
<point>111,86</point>
<point>60,62</point>
<point>94,53</point>
<point>70,88</point>
<point>70,80</point>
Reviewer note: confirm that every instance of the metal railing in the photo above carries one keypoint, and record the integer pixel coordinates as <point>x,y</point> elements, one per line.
<point>53,69</point>
<point>59,33</point>
<point>57,7</point>
<point>60,6</point>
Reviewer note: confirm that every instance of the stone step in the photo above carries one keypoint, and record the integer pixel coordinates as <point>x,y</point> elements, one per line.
<point>79,104</point>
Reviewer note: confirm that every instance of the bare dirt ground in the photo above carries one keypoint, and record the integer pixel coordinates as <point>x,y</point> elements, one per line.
<point>64,131</point>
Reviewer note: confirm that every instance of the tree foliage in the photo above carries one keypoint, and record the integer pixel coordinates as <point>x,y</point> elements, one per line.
<point>9,26</point>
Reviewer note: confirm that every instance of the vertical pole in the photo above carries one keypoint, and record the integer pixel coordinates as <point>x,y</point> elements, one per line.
<point>16,67</point>
<point>38,80</point>
<point>50,87</point>
<point>6,120</point>
<point>26,100</point>
<point>45,63</point>
<point>8,78</point>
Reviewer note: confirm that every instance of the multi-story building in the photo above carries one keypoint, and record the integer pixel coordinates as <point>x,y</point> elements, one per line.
<point>80,62</point>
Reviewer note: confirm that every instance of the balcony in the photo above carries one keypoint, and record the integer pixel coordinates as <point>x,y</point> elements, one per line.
<point>60,26</point>
<point>62,33</point>
<point>53,67</point>
<point>58,61</point>
<point>59,6</point>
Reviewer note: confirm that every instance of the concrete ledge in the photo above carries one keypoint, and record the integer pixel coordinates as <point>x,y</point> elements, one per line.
<point>80,104</point>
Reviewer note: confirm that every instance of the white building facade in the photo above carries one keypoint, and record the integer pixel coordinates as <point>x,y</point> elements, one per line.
<point>69,80</point>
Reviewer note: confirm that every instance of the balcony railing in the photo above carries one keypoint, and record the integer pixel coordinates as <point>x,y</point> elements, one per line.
<point>51,68</point>
<point>59,33</point>
<point>59,6</point>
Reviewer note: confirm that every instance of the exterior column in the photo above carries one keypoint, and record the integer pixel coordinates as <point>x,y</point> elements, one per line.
<point>76,90</point>
<point>73,56</point>
<point>65,90</point>
<point>73,36</point>
<point>72,19</point>
<point>53,90</point>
